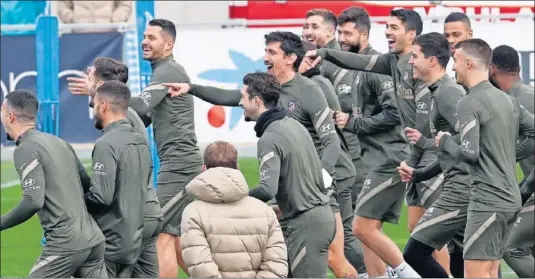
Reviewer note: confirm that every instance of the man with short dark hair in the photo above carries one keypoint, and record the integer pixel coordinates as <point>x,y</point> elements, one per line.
<point>174,134</point>
<point>457,28</point>
<point>292,174</point>
<point>489,123</point>
<point>341,80</point>
<point>504,74</point>
<point>53,181</point>
<point>106,69</point>
<point>122,166</point>
<point>345,257</point>
<point>320,28</point>
<point>371,115</point>
<point>445,219</point>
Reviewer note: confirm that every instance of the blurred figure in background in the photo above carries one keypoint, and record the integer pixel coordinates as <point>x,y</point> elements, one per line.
<point>20,12</point>
<point>94,12</point>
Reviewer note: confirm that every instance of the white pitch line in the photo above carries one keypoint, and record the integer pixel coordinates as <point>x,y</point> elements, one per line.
<point>17,182</point>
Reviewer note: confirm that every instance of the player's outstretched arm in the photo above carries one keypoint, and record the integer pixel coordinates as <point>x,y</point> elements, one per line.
<point>102,190</point>
<point>212,95</point>
<point>469,112</point>
<point>32,179</point>
<point>195,248</point>
<point>270,165</point>
<point>321,116</point>
<point>275,256</point>
<point>151,96</point>
<point>371,63</point>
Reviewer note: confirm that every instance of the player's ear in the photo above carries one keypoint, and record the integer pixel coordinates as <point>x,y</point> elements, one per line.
<point>291,59</point>
<point>169,45</point>
<point>470,34</point>
<point>203,167</point>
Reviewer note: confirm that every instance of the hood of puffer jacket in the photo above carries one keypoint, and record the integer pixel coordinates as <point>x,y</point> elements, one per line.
<point>219,185</point>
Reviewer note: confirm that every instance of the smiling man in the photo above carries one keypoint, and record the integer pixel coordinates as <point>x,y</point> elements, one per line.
<point>319,29</point>
<point>489,123</point>
<point>174,134</point>
<point>292,174</point>
<point>446,218</point>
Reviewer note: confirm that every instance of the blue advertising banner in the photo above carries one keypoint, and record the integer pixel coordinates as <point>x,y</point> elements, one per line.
<point>77,52</point>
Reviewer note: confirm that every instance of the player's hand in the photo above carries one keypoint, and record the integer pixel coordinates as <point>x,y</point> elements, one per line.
<point>79,85</point>
<point>277,211</point>
<point>413,135</point>
<point>405,172</point>
<point>312,58</point>
<point>340,119</point>
<point>305,66</point>
<point>177,89</point>
<point>439,136</point>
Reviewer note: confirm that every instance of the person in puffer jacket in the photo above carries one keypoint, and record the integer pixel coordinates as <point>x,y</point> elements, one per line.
<point>226,233</point>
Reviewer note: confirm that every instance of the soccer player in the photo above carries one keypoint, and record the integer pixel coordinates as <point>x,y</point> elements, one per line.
<point>521,238</point>
<point>106,69</point>
<point>457,28</point>
<point>174,133</point>
<point>319,29</point>
<point>372,111</point>
<point>445,220</point>
<point>121,171</point>
<point>504,74</point>
<point>411,99</point>
<point>489,123</point>
<point>292,174</point>
<point>50,175</point>
<point>345,176</point>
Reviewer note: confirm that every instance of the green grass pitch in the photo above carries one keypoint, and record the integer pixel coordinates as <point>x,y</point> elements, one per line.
<point>20,246</point>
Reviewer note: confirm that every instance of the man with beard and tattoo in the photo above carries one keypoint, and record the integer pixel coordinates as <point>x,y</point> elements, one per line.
<point>445,220</point>
<point>504,74</point>
<point>122,167</point>
<point>174,134</point>
<point>489,124</point>
<point>50,177</point>
<point>292,174</point>
<point>106,69</point>
<point>319,29</point>
<point>352,251</point>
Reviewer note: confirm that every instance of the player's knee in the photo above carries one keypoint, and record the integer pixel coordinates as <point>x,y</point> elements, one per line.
<point>360,230</point>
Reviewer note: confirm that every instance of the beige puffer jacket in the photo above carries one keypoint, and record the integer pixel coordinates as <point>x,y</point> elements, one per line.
<point>94,12</point>
<point>226,233</point>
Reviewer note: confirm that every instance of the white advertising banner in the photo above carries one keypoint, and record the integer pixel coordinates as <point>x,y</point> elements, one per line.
<point>222,57</point>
